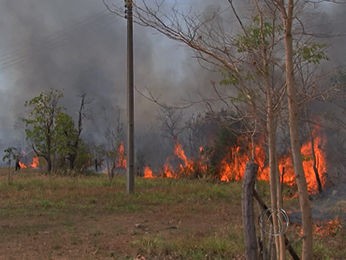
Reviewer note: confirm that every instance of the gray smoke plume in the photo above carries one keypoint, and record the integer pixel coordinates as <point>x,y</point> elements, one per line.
<point>76,46</point>
<point>79,47</point>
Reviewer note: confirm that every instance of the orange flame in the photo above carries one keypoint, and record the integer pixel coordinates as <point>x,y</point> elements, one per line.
<point>232,166</point>
<point>22,165</point>
<point>202,163</point>
<point>329,228</point>
<point>121,160</point>
<point>35,162</point>
<point>168,172</point>
<point>187,168</point>
<point>148,173</point>
<point>286,164</point>
<point>308,162</point>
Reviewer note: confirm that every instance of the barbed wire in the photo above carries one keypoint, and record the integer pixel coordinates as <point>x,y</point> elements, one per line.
<point>266,221</point>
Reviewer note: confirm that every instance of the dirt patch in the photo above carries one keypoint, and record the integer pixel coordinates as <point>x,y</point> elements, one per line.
<point>102,236</point>
<point>45,218</point>
<point>89,218</point>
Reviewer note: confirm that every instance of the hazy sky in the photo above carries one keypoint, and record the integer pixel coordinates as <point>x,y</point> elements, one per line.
<point>79,47</point>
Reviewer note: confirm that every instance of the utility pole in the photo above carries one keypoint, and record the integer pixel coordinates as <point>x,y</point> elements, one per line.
<point>130,99</point>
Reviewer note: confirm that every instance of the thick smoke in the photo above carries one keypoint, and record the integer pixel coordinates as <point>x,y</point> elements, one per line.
<point>329,26</point>
<point>79,47</point>
<point>74,46</point>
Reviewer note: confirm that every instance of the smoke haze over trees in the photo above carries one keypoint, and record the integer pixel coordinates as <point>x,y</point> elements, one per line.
<point>79,47</point>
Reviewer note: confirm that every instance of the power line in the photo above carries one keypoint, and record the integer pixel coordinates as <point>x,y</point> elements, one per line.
<point>22,53</point>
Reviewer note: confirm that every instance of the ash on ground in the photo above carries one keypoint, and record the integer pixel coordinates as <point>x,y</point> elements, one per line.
<point>331,203</point>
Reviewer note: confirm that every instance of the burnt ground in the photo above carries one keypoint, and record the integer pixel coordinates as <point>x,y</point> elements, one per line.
<point>330,204</point>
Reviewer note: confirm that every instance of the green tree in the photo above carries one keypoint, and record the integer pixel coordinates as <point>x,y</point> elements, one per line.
<point>68,135</point>
<point>288,16</point>
<point>65,136</point>
<point>10,154</point>
<point>52,132</point>
<point>41,122</point>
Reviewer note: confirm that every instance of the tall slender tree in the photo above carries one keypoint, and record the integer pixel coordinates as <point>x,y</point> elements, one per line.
<point>287,16</point>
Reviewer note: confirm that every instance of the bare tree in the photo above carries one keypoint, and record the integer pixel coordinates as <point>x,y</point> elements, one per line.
<point>114,136</point>
<point>171,122</point>
<point>287,15</point>
<point>73,152</point>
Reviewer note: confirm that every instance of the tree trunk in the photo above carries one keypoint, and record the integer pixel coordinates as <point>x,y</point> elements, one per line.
<point>273,168</point>
<point>313,153</point>
<point>317,176</point>
<point>275,194</point>
<point>49,164</point>
<point>76,143</point>
<point>294,134</point>
<point>265,209</point>
<point>72,159</point>
<point>48,156</point>
<point>282,243</point>
<point>271,136</point>
<point>9,177</point>
<point>248,211</point>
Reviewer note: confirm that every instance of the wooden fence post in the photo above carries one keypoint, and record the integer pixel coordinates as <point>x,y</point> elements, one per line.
<point>248,211</point>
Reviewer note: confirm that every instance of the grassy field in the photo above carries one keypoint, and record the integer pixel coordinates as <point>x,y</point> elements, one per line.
<point>54,217</point>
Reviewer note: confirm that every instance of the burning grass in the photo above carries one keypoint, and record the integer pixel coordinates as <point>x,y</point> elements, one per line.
<point>232,166</point>
<point>90,217</point>
<point>328,239</point>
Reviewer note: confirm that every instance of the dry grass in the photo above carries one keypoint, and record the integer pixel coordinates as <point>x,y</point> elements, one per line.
<point>44,217</point>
